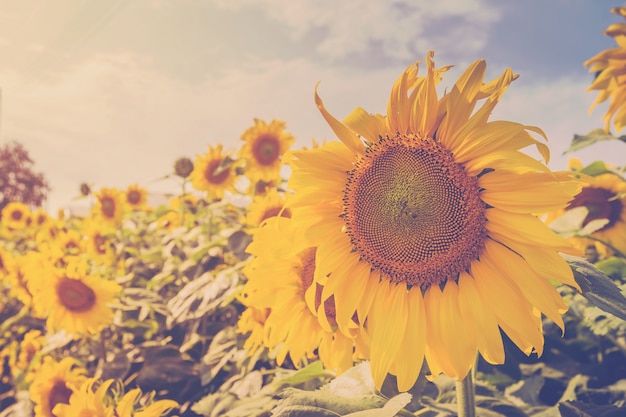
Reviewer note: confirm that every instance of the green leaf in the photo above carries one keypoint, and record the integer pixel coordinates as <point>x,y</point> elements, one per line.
<point>596,287</point>
<point>390,409</point>
<point>614,267</point>
<point>312,371</point>
<point>596,135</point>
<point>595,168</point>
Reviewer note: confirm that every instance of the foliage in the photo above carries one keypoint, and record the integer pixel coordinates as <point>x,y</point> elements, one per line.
<point>18,181</point>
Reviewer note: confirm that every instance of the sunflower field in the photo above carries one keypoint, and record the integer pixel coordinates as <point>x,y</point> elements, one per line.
<point>421,264</point>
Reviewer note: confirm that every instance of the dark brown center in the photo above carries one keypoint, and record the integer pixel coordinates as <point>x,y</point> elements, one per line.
<point>266,149</point>
<point>215,173</point>
<point>108,207</point>
<point>600,203</point>
<point>75,295</point>
<point>59,394</point>
<point>412,212</point>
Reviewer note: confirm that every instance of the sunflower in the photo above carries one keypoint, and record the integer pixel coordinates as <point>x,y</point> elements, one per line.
<point>610,80</point>
<point>109,206</point>
<point>214,172</point>
<point>126,406</point>
<point>280,278</point>
<point>424,217</point>
<point>136,197</point>
<point>30,346</point>
<point>16,216</point>
<point>98,242</point>
<point>264,206</point>
<point>604,196</point>
<point>20,270</point>
<point>54,383</point>
<point>73,300</point>
<point>264,147</point>
<point>85,402</point>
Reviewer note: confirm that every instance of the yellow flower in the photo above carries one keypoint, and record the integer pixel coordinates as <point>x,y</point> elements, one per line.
<point>16,216</point>
<point>29,347</point>
<point>136,197</point>
<point>610,80</point>
<point>424,228</point>
<point>280,278</point>
<point>109,206</point>
<point>53,384</point>
<point>85,402</point>
<point>98,242</point>
<point>252,322</point>
<point>214,172</point>
<point>264,147</point>
<point>126,406</point>
<point>605,198</point>
<point>73,300</point>
<point>265,206</point>
<point>20,270</point>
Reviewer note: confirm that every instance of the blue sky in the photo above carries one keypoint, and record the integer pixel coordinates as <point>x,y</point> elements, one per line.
<point>111,92</point>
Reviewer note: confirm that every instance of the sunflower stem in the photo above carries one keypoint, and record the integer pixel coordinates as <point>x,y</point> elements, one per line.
<point>465,396</point>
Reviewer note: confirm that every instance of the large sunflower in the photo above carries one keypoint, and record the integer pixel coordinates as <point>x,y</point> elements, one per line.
<point>610,80</point>
<point>280,278</point>
<point>214,172</point>
<point>264,147</point>
<point>73,300</point>
<point>54,383</point>
<point>424,227</point>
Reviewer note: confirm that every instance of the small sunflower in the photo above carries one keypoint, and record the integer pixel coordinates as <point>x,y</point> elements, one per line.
<point>30,346</point>
<point>74,300</point>
<point>280,278</point>
<point>20,270</point>
<point>264,147</point>
<point>424,226</point>
<point>252,322</point>
<point>98,242</point>
<point>54,383</point>
<point>604,196</point>
<point>84,401</point>
<point>136,197</point>
<point>264,206</point>
<point>214,172</point>
<point>610,80</point>
<point>16,216</point>
<point>109,206</point>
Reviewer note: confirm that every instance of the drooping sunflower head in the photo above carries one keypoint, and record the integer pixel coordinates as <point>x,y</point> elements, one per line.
<point>263,149</point>
<point>109,206</point>
<point>610,80</point>
<point>214,172</point>
<point>136,197</point>
<point>54,383</point>
<point>420,213</point>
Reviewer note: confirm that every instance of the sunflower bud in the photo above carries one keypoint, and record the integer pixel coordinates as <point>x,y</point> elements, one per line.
<point>183,167</point>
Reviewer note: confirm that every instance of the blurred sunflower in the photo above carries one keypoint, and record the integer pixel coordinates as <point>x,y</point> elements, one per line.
<point>136,197</point>
<point>97,243</point>
<point>109,206</point>
<point>30,346</point>
<point>610,79</point>
<point>428,220</point>
<point>264,147</point>
<point>20,270</point>
<point>85,402</point>
<point>280,278</point>
<point>126,406</point>
<point>264,206</point>
<point>54,383</point>
<point>73,300</point>
<point>252,323</point>
<point>15,216</point>
<point>214,172</point>
<point>604,196</point>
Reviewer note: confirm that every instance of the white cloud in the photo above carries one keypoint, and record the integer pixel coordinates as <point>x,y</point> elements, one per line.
<point>399,27</point>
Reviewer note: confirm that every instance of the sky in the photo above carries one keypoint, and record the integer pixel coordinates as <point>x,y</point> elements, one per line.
<point>112,92</point>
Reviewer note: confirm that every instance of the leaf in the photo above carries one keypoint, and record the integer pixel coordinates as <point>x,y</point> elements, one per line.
<point>596,135</point>
<point>355,382</point>
<point>527,390</point>
<point>596,168</point>
<point>312,371</point>
<point>390,409</point>
<point>596,287</point>
<point>614,267</point>
<point>303,411</point>
<point>221,350</point>
<point>580,409</point>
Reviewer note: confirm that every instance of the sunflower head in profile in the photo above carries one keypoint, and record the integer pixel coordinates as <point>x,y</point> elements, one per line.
<point>183,167</point>
<point>214,172</point>
<point>54,383</point>
<point>424,227</point>
<point>109,206</point>
<point>263,149</point>
<point>604,197</point>
<point>15,216</point>
<point>73,300</point>
<point>135,197</point>
<point>281,282</point>
<point>610,81</point>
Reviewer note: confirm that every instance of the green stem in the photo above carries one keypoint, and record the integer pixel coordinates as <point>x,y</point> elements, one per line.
<point>465,396</point>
